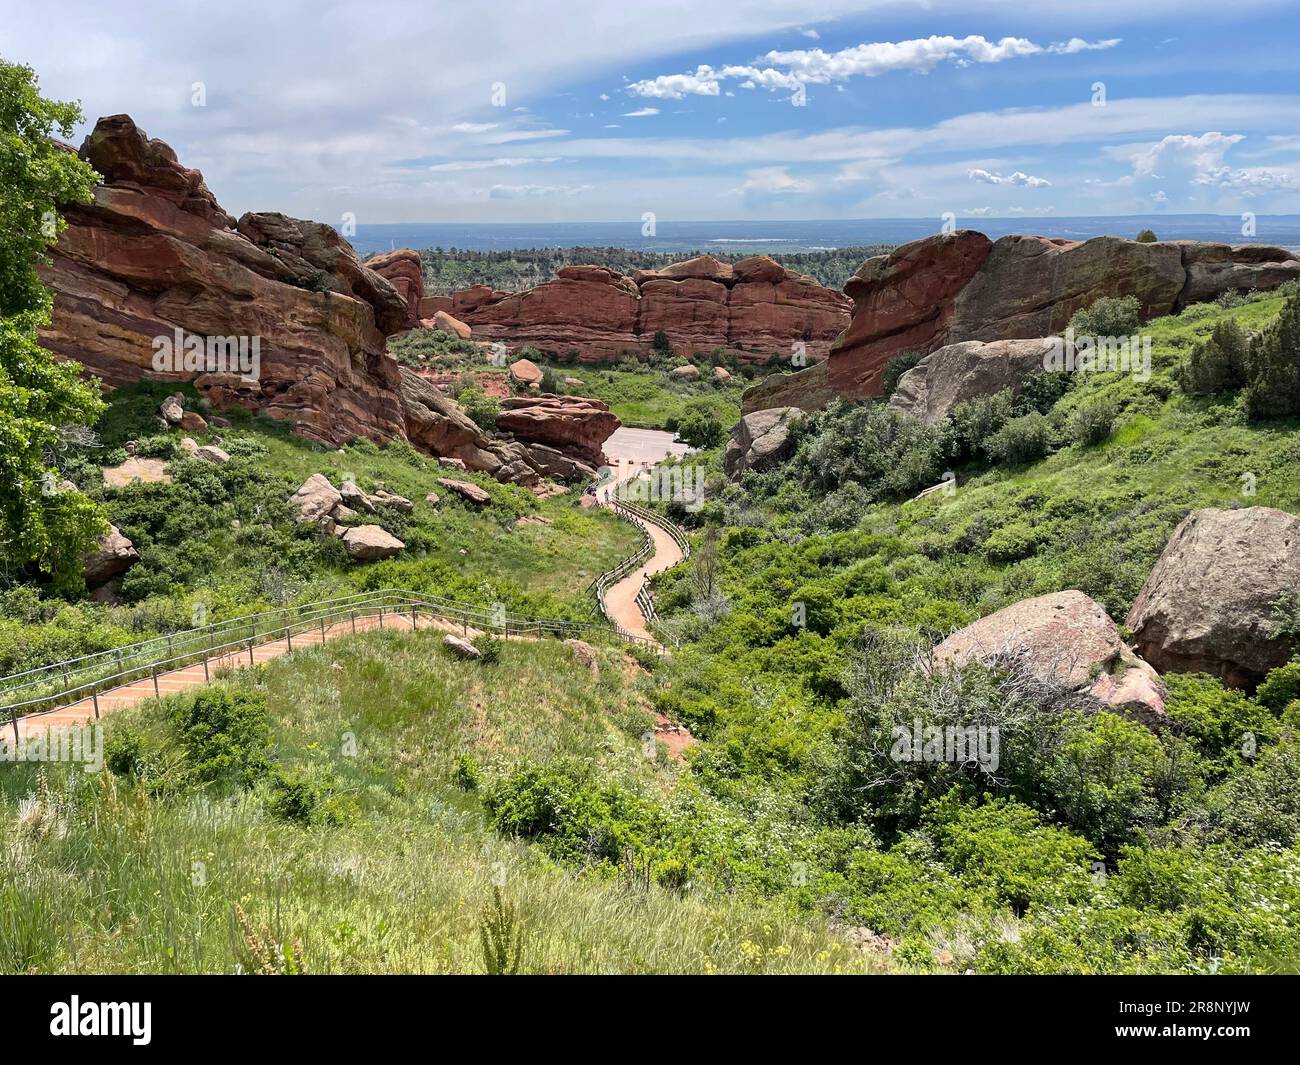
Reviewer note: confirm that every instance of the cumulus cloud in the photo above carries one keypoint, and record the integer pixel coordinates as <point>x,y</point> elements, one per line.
<point>789,69</point>
<point>1202,153</point>
<point>1019,178</point>
<point>772,180</point>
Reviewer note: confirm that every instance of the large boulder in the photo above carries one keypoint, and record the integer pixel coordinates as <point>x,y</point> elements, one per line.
<point>949,289</point>
<point>155,256</point>
<point>1065,641</point>
<point>1209,605</point>
<point>760,440</point>
<point>526,372</point>
<point>315,499</point>
<point>444,321</point>
<point>366,543</point>
<point>467,490</point>
<point>573,425</point>
<point>111,557</point>
<point>959,372</point>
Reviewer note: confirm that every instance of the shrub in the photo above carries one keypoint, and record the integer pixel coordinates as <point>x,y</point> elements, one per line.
<point>549,381</point>
<point>224,733</point>
<point>1217,719</point>
<point>308,796</point>
<point>661,343</point>
<point>1147,236</point>
<point>1274,388</point>
<point>1021,441</point>
<point>1110,316</point>
<point>1219,364</point>
<point>465,773</point>
<point>1092,423</point>
<point>895,368</point>
<point>489,648</point>
<point>481,408</point>
<point>1280,688</point>
<point>701,428</point>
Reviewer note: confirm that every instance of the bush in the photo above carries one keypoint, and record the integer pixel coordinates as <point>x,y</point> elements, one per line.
<point>1219,364</point>
<point>895,368</point>
<point>489,648</point>
<point>481,408</point>
<point>1274,388</point>
<point>224,733</point>
<point>1092,423</point>
<point>308,796</point>
<point>1280,688</point>
<point>701,428</point>
<point>1021,441</point>
<point>1116,316</point>
<point>661,343</point>
<point>1147,236</point>
<point>549,381</point>
<point>465,774</point>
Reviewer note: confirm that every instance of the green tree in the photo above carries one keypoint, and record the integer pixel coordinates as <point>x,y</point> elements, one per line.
<point>42,520</point>
<point>1219,364</point>
<point>1274,387</point>
<point>1147,236</point>
<point>701,428</point>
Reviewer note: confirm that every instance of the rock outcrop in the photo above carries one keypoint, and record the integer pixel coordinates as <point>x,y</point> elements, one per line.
<point>756,306</point>
<point>1210,603</point>
<point>154,258</point>
<point>1065,641</point>
<point>572,425</point>
<point>436,425</point>
<point>948,289</point>
<point>111,557</point>
<point>760,440</point>
<point>958,372</point>
<point>403,270</point>
<point>807,389</point>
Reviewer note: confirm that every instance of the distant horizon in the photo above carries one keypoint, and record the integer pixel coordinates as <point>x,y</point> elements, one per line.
<point>788,236</point>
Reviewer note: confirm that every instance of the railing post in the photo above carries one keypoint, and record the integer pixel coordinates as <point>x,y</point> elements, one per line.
<point>288,635</point>
<point>205,666</point>
<point>354,622</point>
<point>94,699</point>
<point>13,714</point>
<point>322,628</point>
<point>156,694</point>
<point>250,652</point>
<point>381,617</point>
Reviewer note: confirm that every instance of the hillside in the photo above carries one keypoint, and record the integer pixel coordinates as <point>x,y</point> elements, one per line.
<point>343,816</point>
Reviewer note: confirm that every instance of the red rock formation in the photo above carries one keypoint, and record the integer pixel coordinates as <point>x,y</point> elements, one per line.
<point>575,426</point>
<point>155,254</point>
<point>948,289</point>
<point>902,301</point>
<point>403,270</point>
<point>755,306</point>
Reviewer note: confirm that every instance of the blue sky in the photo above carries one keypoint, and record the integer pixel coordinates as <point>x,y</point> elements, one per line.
<point>590,111</point>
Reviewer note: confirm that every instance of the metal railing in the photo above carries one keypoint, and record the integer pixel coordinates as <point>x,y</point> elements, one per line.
<point>60,684</point>
<point>642,517</point>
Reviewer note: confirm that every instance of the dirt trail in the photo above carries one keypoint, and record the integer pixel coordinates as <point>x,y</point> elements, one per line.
<point>179,680</point>
<point>620,600</point>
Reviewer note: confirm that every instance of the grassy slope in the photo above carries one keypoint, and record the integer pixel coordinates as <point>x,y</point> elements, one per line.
<point>96,876</point>
<point>193,554</point>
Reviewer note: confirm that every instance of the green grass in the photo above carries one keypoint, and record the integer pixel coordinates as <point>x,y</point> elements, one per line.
<point>223,538</point>
<point>99,875</point>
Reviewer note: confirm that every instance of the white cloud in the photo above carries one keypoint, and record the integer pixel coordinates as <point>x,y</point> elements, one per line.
<point>457,165</point>
<point>788,70</point>
<point>644,112</point>
<point>773,180</point>
<point>1202,153</point>
<point>474,127</point>
<point>1019,178</point>
<point>513,192</point>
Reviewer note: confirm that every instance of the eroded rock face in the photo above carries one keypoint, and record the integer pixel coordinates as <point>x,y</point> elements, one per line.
<point>403,270</point>
<point>437,425</point>
<point>949,289</point>
<point>1209,604</point>
<point>575,426</point>
<point>756,306</point>
<point>959,372</point>
<point>902,301</point>
<point>1065,641</point>
<point>760,440</point>
<point>155,253</point>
